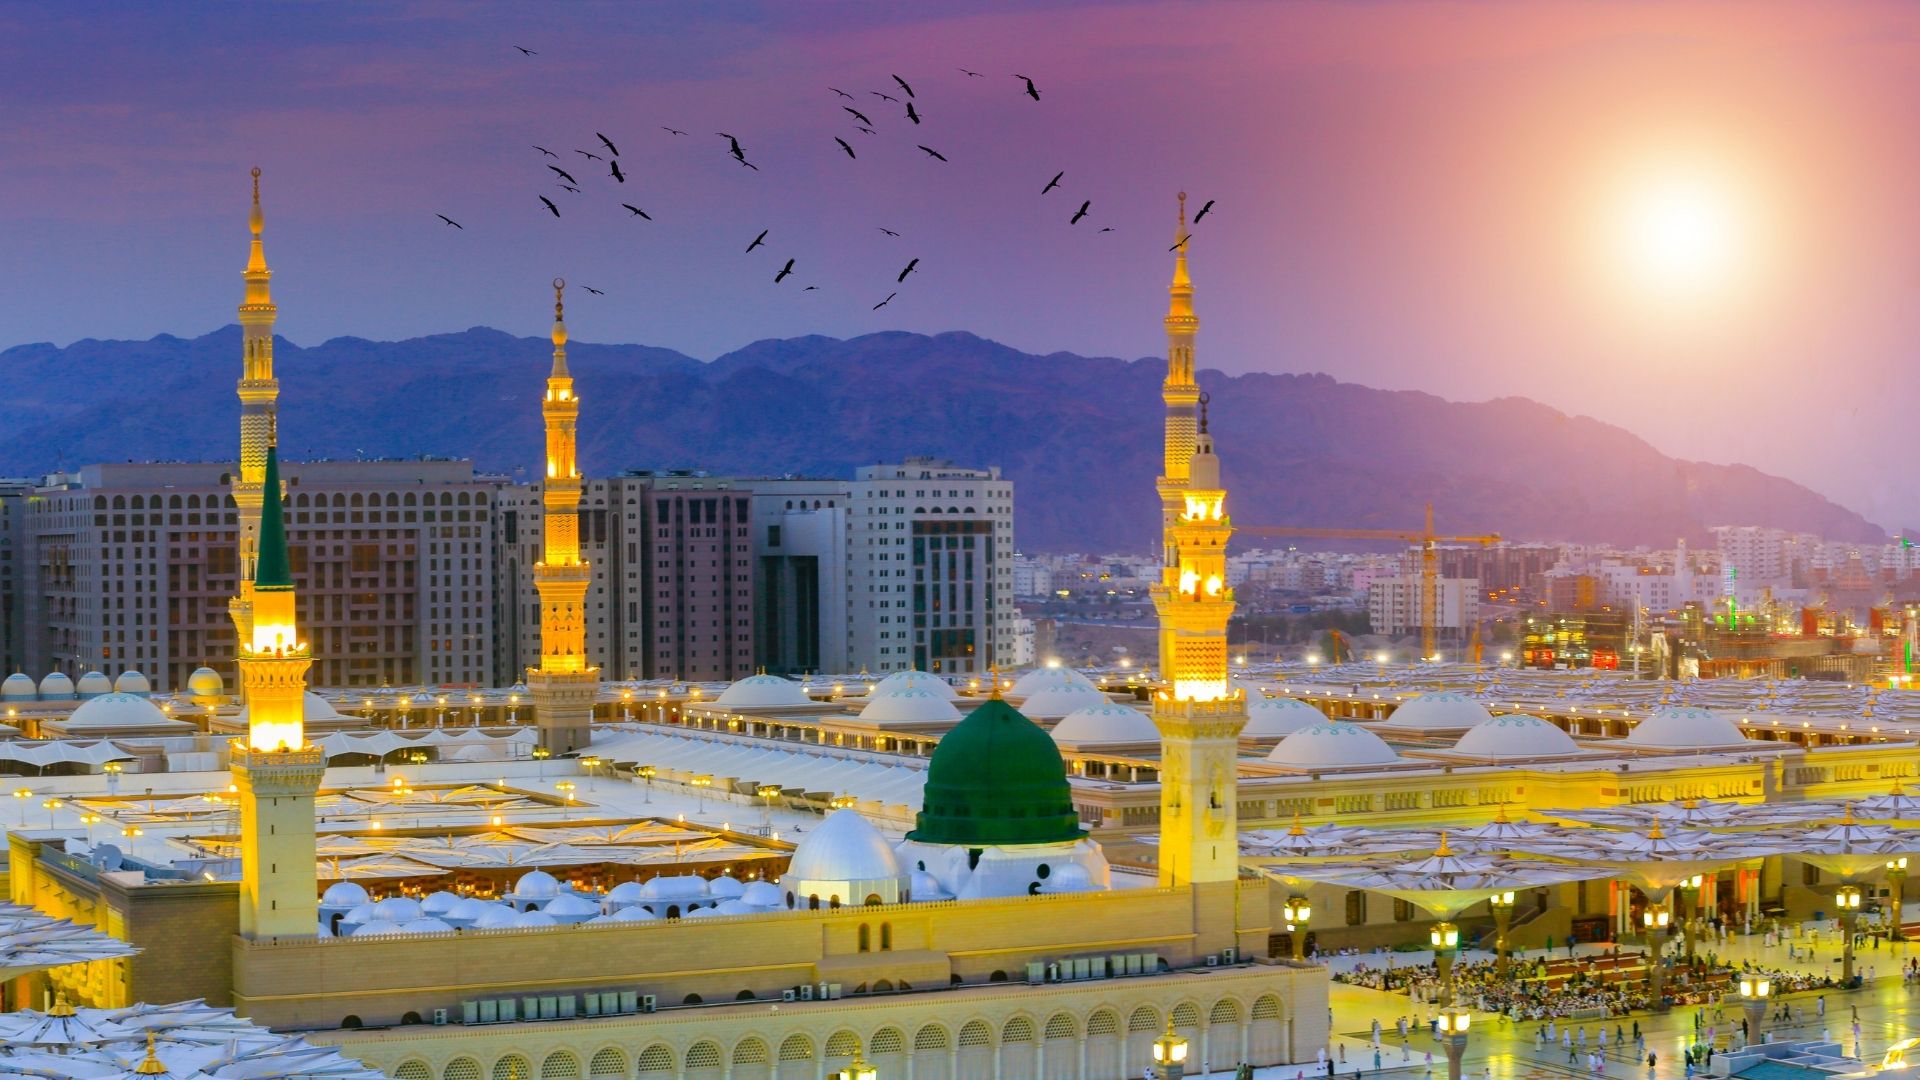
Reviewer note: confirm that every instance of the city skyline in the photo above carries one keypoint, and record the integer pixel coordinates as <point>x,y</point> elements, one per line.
<point>1776,147</point>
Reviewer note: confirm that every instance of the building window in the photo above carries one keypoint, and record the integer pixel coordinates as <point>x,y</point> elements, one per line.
<point>1356,908</point>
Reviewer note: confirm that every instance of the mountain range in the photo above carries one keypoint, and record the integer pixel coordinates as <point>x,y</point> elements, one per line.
<point>1080,436</point>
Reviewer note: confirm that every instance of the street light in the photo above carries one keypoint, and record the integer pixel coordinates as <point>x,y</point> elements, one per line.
<point>769,792</point>
<point>646,772</point>
<point>1169,1055</point>
<point>1754,992</point>
<point>857,1069</point>
<point>1502,904</point>
<point>51,805</point>
<point>700,785</point>
<point>1453,1035</point>
<point>1897,876</point>
<point>113,770</point>
<point>565,788</point>
<point>1848,901</point>
<point>1656,921</point>
<point>541,754</point>
<point>589,764</point>
<point>1445,938</point>
<point>1298,911</point>
<point>1689,893</point>
<point>89,820</point>
<point>23,794</point>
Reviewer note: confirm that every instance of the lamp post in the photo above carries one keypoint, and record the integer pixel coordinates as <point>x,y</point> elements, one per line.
<point>1656,921</point>
<point>700,786</point>
<point>113,770</point>
<point>1298,911</point>
<point>54,804</point>
<point>541,754</point>
<point>89,820</point>
<point>1453,1037</point>
<point>1689,894</point>
<point>1754,992</point>
<point>857,1068</point>
<point>1848,901</point>
<point>767,792</point>
<point>565,788</point>
<point>645,772</point>
<point>1502,904</point>
<point>588,764</point>
<point>1897,877</point>
<point>22,795</point>
<point>1445,938</point>
<point>1169,1055</point>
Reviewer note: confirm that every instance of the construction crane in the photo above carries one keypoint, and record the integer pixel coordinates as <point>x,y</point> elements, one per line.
<point>1426,539</point>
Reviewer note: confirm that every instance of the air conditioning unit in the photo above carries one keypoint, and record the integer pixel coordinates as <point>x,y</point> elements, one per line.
<point>591,1003</point>
<point>439,1016</point>
<point>806,992</point>
<point>788,995</point>
<point>1229,956</point>
<point>1213,959</point>
<point>470,1012</point>
<point>648,1003</point>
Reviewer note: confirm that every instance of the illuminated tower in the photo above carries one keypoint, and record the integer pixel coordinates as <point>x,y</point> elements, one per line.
<point>564,685</point>
<point>1199,713</point>
<point>1182,397</point>
<point>276,773</point>
<point>259,396</point>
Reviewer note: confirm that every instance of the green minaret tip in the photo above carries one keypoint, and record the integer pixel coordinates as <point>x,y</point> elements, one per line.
<point>272,570</point>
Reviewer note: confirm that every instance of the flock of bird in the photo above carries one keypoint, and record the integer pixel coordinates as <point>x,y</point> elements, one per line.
<point>863,124</point>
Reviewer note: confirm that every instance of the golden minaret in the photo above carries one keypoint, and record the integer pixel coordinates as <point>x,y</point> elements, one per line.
<point>1198,712</point>
<point>1182,397</point>
<point>259,401</point>
<point>276,773</point>
<point>564,686</point>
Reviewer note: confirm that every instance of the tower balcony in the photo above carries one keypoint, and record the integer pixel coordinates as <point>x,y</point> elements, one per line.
<point>562,573</point>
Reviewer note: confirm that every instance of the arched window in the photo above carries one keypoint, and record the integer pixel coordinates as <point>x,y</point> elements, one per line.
<point>866,938</point>
<point>886,937</point>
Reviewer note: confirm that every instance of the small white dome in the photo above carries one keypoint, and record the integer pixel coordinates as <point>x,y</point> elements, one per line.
<point>761,894</point>
<point>1048,678</point>
<point>361,913</point>
<point>114,710</point>
<point>437,904</point>
<point>913,680</point>
<point>725,885</point>
<point>909,707</point>
<point>470,909</point>
<point>206,682</point>
<point>1332,745</point>
<point>534,918</point>
<point>132,682</point>
<point>735,907</point>
<point>763,692</point>
<point>846,847</point>
<point>1071,877</point>
<point>1105,723</point>
<point>681,887</point>
<point>1058,701</point>
<point>570,908</point>
<point>633,914</point>
<point>1685,728</point>
<point>627,892</point>
<point>702,912</point>
<point>18,687</point>
<point>93,684</point>
<point>397,909</point>
<point>1516,735</point>
<point>426,926</point>
<point>1268,717</point>
<point>323,930</point>
<point>536,885</point>
<point>497,916</point>
<point>378,926</point>
<point>56,687</point>
<point>1444,710</point>
<point>343,894</point>
<point>313,709</point>
<point>927,887</point>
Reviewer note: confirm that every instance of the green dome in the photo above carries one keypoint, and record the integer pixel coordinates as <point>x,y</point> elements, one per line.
<point>997,778</point>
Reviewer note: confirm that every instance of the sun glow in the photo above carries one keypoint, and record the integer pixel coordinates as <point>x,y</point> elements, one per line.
<point>1681,232</point>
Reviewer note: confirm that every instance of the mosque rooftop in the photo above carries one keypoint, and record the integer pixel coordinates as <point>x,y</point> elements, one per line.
<point>185,1039</point>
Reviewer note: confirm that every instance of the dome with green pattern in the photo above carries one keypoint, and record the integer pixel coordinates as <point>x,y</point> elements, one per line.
<point>997,778</point>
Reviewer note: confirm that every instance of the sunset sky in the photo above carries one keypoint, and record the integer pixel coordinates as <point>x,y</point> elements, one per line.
<point>1697,220</point>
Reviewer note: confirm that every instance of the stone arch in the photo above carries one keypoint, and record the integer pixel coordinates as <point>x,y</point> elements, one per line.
<point>1016,1029</point>
<point>930,1037</point>
<point>461,1069</point>
<point>1267,1030</point>
<point>1186,1015</point>
<point>842,1043</point>
<point>1224,1011</point>
<point>412,1070</point>
<point>751,1050</point>
<point>866,938</point>
<point>1144,1018</point>
<point>607,1061</point>
<point>1103,1043</point>
<point>1266,1007</point>
<point>796,1048</point>
<point>560,1065</point>
<point>888,1040</point>
<point>512,1067</point>
<point>703,1058</point>
<point>656,1059</point>
<point>1062,1026</point>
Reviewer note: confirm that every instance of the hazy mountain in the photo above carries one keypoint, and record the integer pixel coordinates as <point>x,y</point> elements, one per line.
<point>1079,435</point>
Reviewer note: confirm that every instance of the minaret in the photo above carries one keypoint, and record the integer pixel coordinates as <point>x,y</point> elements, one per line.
<point>1198,712</point>
<point>564,686</point>
<point>1182,397</point>
<point>259,396</point>
<point>276,773</point>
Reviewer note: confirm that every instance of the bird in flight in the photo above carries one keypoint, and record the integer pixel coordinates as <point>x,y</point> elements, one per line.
<point>1080,213</point>
<point>912,114</point>
<point>1053,183</point>
<point>1108,228</point>
<point>1203,212</point>
<point>617,174</point>
<point>758,240</point>
<point>608,143</point>
<point>671,131</point>
<point>748,164</point>
<point>841,92</point>
<point>868,130</point>
<point>784,271</point>
<point>903,85</point>
<point>886,230</point>
<point>590,157</point>
<point>843,145</point>
<point>564,173</point>
<point>546,151</point>
<point>883,97</point>
<point>973,74</point>
<point>885,302</point>
<point>570,187</point>
<point>908,270</point>
<point>451,222</point>
<point>550,206</point>
<point>1180,243</point>
<point>858,115</point>
<point>593,290</point>
<point>524,51</point>
<point>1031,92</point>
<point>810,288</point>
<point>931,152</point>
<point>637,212</point>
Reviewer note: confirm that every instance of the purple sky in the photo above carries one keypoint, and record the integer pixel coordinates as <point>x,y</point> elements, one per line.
<point>1410,195</point>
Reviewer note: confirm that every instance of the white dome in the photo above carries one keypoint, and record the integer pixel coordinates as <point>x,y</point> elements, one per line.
<point>725,885</point>
<point>323,930</point>
<point>470,909</point>
<point>437,904</point>
<point>496,916</point>
<point>93,684</point>
<point>681,887</point>
<point>343,894</point>
<point>846,847</point>
<point>761,894</point>
<point>1072,877</point>
<point>702,912</point>
<point>536,885</point>
<point>1685,727</point>
<point>1516,735</point>
<point>633,914</point>
<point>313,709</point>
<point>534,918</point>
<point>114,710</point>
<point>627,892</point>
<point>1332,745</point>
<point>56,687</point>
<point>1047,678</point>
<point>368,929</point>
<point>763,692</point>
<point>18,687</point>
<point>1442,709</point>
<point>927,887</point>
<point>913,680</point>
<point>1058,701</point>
<point>1105,723</point>
<point>570,908</point>
<point>206,682</point>
<point>425,926</point>
<point>397,909</point>
<point>909,707</point>
<point>1268,717</point>
<point>735,907</point>
<point>362,914</point>
<point>132,682</point>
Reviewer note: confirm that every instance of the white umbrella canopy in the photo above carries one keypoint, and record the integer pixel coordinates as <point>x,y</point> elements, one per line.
<point>31,941</point>
<point>1852,850</point>
<point>1684,813</point>
<point>1658,861</point>
<point>1443,883</point>
<point>1325,842</point>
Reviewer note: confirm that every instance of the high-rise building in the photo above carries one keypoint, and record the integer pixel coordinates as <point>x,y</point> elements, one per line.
<point>801,560</point>
<point>13,542</point>
<point>1394,604</point>
<point>672,586</point>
